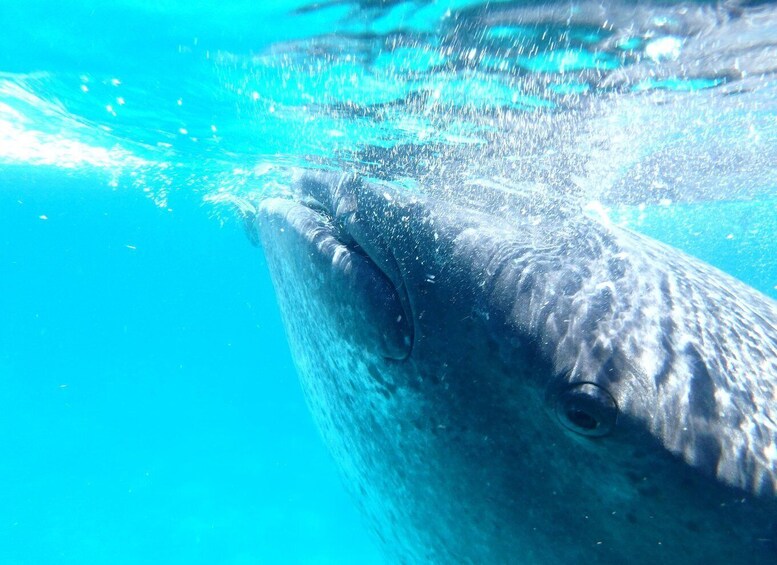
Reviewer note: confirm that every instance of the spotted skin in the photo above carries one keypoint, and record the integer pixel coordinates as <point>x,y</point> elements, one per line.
<point>454,444</point>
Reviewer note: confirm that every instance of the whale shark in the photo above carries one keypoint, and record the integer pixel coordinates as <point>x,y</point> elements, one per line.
<point>524,385</point>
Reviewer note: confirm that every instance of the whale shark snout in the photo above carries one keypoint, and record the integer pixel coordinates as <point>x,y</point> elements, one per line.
<point>533,389</point>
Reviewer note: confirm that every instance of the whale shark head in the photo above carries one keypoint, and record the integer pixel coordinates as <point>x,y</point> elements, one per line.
<point>529,388</point>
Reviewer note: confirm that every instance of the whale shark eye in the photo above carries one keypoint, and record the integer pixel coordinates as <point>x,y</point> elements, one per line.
<point>587,409</point>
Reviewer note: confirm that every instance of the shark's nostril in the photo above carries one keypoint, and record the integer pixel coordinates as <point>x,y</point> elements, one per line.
<point>363,239</point>
<point>357,269</point>
<point>339,224</point>
<point>316,205</point>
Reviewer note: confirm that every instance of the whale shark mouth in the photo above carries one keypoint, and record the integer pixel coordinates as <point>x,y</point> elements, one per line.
<point>352,263</point>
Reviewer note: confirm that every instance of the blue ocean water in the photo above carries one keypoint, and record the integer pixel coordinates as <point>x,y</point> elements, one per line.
<point>150,412</point>
<point>149,409</point>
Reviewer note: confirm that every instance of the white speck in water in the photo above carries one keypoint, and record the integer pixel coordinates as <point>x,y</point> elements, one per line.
<point>84,88</point>
<point>43,217</point>
<point>179,101</point>
<point>115,82</point>
<point>120,101</point>
<point>730,236</point>
<point>130,247</point>
<point>663,48</point>
<point>183,131</point>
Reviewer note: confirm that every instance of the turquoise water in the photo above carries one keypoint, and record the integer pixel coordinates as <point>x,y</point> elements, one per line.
<point>150,412</point>
<point>149,409</point>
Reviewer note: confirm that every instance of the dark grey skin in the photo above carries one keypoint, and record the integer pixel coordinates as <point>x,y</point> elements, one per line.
<point>534,389</point>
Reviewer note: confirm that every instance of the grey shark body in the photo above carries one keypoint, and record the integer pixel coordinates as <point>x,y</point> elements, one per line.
<point>528,388</point>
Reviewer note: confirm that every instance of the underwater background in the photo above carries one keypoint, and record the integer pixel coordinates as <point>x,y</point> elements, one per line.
<point>149,408</point>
